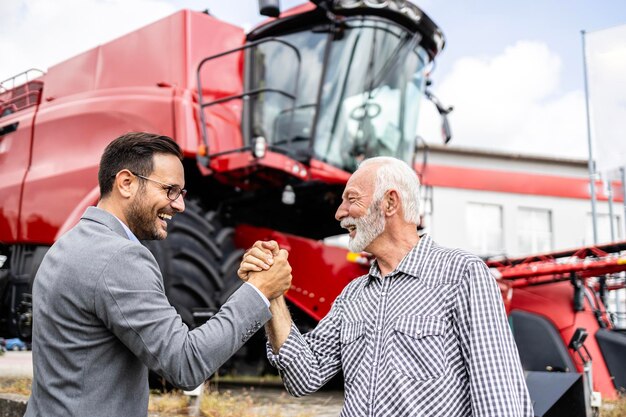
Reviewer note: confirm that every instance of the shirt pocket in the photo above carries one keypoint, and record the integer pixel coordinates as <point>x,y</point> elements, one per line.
<point>417,347</point>
<point>352,348</point>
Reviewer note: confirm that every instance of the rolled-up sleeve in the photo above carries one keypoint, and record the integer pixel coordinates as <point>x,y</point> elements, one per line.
<point>306,362</point>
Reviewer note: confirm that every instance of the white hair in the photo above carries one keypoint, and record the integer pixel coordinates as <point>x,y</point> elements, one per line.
<point>395,174</point>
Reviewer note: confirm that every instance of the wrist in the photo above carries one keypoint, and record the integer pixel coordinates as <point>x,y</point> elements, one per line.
<point>258,284</point>
<point>278,303</point>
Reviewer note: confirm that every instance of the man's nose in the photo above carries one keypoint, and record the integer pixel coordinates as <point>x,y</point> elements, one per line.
<point>341,212</point>
<point>179,204</point>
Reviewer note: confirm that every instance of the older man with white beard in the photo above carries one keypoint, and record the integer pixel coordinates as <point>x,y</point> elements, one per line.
<point>424,333</point>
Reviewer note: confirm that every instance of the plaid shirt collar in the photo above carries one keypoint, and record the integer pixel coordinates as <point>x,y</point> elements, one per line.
<point>412,264</point>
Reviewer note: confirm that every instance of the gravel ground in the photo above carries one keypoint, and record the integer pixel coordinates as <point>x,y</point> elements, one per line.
<point>277,401</point>
<point>265,400</point>
<point>16,364</point>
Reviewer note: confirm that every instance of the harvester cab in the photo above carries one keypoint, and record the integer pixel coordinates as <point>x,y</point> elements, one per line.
<point>335,82</point>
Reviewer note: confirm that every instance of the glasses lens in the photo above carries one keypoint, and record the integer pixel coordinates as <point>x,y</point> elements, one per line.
<point>173,193</point>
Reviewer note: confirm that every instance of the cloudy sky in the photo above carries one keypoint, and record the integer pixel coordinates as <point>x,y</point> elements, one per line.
<point>512,69</point>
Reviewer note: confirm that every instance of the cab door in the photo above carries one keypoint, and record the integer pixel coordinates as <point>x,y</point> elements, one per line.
<point>16,132</point>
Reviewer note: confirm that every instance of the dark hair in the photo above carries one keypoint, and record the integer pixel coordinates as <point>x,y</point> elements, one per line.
<point>133,151</point>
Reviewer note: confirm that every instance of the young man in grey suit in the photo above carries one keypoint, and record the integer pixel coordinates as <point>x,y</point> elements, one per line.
<point>101,317</point>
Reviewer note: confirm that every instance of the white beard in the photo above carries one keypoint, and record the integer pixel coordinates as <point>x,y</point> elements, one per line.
<point>368,228</point>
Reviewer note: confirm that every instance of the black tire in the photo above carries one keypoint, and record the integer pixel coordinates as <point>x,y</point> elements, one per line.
<point>198,261</point>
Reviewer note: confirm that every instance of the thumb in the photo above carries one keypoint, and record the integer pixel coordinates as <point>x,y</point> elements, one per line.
<point>282,253</point>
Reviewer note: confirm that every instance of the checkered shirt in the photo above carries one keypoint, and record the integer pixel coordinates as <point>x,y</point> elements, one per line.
<point>429,339</point>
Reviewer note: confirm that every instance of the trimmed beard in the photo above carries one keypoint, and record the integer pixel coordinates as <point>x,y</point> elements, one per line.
<point>368,228</point>
<point>141,221</point>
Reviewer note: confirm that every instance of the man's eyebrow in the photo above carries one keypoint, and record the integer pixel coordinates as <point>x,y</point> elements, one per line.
<point>172,184</point>
<point>347,192</point>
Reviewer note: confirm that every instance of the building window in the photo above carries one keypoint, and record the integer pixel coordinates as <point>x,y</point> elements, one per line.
<point>534,230</point>
<point>484,227</point>
<point>604,228</point>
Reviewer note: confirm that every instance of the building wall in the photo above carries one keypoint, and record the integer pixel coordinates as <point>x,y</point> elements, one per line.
<point>570,218</point>
<point>450,225</point>
<point>452,199</point>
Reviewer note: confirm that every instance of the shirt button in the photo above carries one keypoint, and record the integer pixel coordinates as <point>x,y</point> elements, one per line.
<point>418,332</point>
<point>380,329</point>
<point>374,363</point>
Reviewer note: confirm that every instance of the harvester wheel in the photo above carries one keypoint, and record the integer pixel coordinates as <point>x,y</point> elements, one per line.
<point>199,262</point>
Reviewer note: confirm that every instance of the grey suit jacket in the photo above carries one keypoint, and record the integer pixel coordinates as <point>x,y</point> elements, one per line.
<point>101,320</point>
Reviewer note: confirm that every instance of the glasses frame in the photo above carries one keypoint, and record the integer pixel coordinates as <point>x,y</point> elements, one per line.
<point>169,187</point>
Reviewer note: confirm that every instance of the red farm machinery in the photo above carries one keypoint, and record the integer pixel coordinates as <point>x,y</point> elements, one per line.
<point>271,123</point>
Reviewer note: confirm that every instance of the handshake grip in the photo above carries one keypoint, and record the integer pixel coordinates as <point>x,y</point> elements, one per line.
<point>267,269</point>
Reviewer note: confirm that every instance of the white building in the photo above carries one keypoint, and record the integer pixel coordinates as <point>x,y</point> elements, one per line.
<point>505,204</point>
<point>515,205</point>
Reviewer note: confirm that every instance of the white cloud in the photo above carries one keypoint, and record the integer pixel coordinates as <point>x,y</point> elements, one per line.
<point>511,102</point>
<point>41,33</point>
<point>606,59</point>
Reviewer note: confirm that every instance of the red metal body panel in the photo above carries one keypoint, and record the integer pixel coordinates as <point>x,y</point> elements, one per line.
<point>244,160</point>
<point>241,164</point>
<point>91,199</point>
<point>167,51</point>
<point>328,173</point>
<point>69,138</point>
<point>320,272</point>
<point>554,302</point>
<point>124,85</point>
<point>15,149</point>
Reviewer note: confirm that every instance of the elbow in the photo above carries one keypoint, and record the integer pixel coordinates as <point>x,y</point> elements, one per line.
<point>190,387</point>
<point>298,391</point>
<point>187,382</point>
<point>300,388</point>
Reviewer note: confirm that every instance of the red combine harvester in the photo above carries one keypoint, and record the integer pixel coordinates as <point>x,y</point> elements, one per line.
<point>271,123</point>
<point>556,304</point>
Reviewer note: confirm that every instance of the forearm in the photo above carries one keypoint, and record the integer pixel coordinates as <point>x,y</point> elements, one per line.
<point>279,326</point>
<point>135,309</point>
<point>305,362</point>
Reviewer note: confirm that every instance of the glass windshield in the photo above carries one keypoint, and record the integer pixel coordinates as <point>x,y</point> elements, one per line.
<point>364,103</point>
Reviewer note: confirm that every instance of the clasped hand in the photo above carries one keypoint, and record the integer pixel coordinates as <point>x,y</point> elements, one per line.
<point>266,267</point>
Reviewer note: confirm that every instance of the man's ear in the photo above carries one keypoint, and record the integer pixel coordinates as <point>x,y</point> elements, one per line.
<point>125,183</point>
<point>391,203</point>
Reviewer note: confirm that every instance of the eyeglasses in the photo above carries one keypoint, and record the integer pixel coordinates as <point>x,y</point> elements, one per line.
<point>173,191</point>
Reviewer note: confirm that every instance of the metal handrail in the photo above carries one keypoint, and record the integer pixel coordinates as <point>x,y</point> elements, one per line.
<point>245,94</point>
<point>13,79</point>
<point>23,99</point>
